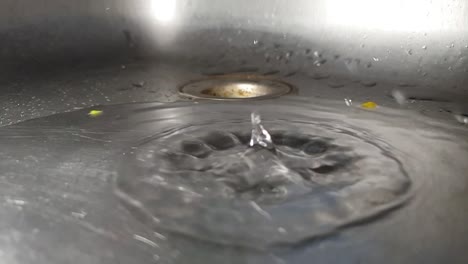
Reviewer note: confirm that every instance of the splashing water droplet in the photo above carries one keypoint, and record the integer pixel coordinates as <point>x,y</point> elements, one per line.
<point>376,59</point>
<point>260,135</point>
<point>348,102</point>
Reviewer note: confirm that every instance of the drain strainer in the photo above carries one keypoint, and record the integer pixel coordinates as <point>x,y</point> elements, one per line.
<point>235,88</point>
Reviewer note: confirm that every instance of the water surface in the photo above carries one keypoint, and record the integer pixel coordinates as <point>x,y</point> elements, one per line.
<point>292,172</point>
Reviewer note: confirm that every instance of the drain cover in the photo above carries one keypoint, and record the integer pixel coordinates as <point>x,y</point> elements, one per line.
<point>235,88</point>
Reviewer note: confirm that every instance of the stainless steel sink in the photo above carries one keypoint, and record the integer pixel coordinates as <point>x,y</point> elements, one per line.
<point>61,56</point>
<point>54,55</point>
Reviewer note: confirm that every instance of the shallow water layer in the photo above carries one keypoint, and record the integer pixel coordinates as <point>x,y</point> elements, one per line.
<point>329,168</point>
<point>319,182</point>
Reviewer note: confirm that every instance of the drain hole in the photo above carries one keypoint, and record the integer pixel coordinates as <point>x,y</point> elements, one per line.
<point>235,88</point>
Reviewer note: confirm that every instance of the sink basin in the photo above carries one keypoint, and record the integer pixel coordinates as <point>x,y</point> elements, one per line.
<point>60,61</point>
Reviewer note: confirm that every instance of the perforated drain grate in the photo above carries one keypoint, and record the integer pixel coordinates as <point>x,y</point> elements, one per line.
<point>235,88</point>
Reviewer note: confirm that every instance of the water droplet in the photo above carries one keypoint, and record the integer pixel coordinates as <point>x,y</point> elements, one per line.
<point>399,97</point>
<point>451,45</point>
<point>15,201</point>
<point>145,240</point>
<point>80,215</point>
<point>260,135</point>
<point>138,84</point>
<point>376,59</point>
<point>409,52</point>
<point>320,62</point>
<point>317,54</point>
<point>255,42</point>
<point>348,102</point>
<point>424,47</point>
<point>463,119</point>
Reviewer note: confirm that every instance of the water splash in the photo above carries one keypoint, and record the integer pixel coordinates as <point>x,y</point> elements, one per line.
<point>260,136</point>
<point>348,102</point>
<point>218,180</point>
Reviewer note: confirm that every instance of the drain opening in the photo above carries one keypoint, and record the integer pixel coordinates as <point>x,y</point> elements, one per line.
<point>235,88</point>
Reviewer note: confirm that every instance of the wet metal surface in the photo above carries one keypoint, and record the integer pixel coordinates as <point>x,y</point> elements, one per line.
<point>75,71</point>
<point>59,202</point>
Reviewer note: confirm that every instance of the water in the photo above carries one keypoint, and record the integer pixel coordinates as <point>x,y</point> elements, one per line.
<point>296,171</point>
<point>260,136</point>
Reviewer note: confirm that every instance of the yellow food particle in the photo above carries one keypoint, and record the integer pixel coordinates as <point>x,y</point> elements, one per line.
<point>369,105</point>
<point>95,113</point>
